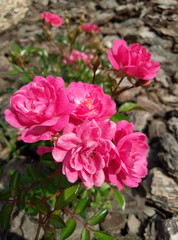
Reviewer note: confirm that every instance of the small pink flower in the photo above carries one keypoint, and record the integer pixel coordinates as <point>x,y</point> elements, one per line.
<point>41,107</point>
<point>86,151</point>
<point>90,28</point>
<point>91,102</point>
<point>52,18</point>
<point>134,60</point>
<point>75,56</point>
<point>132,149</point>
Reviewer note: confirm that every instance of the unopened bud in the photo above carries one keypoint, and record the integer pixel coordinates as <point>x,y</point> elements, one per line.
<point>67,21</point>
<point>147,83</point>
<point>143,83</point>
<point>95,63</point>
<point>82,18</point>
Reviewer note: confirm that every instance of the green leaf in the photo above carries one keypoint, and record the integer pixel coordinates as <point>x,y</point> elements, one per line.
<point>42,62</point>
<point>129,106</point>
<point>98,217</point>
<point>33,173</point>
<point>31,210</point>
<point>21,197</point>
<point>13,72</point>
<point>103,236</point>
<point>67,196</point>
<point>9,90</point>
<point>40,205</point>
<point>81,205</point>
<point>68,230</point>
<point>5,215</point>
<point>14,184</point>
<point>50,234</point>
<point>118,117</point>
<point>57,212</point>
<point>85,234</point>
<point>120,199</point>
<point>56,221</point>
<point>18,68</point>
<point>16,47</point>
<point>25,79</point>
<point>105,189</point>
<point>47,162</point>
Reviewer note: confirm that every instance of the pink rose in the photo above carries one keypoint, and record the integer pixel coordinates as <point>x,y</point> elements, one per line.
<point>41,107</point>
<point>86,151</point>
<point>90,28</point>
<point>90,101</point>
<point>52,18</point>
<point>134,60</point>
<point>132,149</point>
<point>75,56</point>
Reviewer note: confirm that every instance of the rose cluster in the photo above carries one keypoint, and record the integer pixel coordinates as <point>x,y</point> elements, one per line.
<point>53,19</point>
<point>134,60</point>
<point>91,147</point>
<point>75,56</point>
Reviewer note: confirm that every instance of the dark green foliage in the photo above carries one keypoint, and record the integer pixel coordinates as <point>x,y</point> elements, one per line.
<point>5,215</point>
<point>85,234</point>
<point>14,185</point>
<point>120,199</point>
<point>68,230</point>
<point>98,217</point>
<point>129,106</point>
<point>57,221</point>
<point>82,204</point>
<point>67,196</point>
<point>103,236</point>
<point>50,234</point>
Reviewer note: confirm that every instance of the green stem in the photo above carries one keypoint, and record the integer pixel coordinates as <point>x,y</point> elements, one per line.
<point>3,126</point>
<point>6,141</point>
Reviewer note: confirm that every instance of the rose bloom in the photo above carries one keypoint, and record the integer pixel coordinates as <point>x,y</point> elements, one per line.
<point>132,149</point>
<point>90,28</point>
<point>90,101</point>
<point>41,108</point>
<point>86,151</point>
<point>75,56</point>
<point>52,18</point>
<point>134,60</point>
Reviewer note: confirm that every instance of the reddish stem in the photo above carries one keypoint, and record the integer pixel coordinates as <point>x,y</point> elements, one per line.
<point>16,201</point>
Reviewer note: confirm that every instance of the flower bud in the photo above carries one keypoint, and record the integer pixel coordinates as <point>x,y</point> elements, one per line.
<point>95,63</point>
